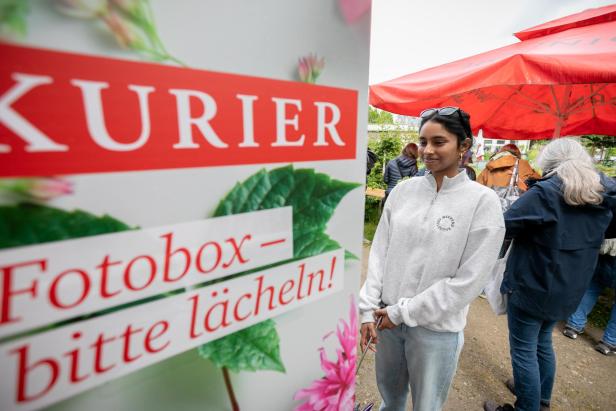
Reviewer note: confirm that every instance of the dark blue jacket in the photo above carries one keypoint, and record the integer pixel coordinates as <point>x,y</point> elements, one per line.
<point>605,273</point>
<point>555,248</point>
<point>396,169</point>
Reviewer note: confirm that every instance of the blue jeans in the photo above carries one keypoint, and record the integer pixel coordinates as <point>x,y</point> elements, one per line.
<point>577,320</point>
<point>532,358</point>
<point>425,359</point>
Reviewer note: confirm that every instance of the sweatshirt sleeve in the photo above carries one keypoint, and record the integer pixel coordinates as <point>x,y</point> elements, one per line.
<point>370,292</point>
<point>451,295</point>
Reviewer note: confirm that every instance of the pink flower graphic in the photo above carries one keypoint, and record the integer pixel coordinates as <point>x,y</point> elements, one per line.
<point>48,188</point>
<point>336,390</point>
<point>83,9</point>
<point>124,33</point>
<point>310,68</point>
<point>128,6</point>
<point>353,10</point>
<point>131,23</point>
<point>41,189</point>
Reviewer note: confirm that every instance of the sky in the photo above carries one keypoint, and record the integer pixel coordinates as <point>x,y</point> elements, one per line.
<point>409,35</point>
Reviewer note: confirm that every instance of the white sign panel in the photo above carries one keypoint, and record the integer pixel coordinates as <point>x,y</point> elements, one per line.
<point>54,281</point>
<point>45,368</point>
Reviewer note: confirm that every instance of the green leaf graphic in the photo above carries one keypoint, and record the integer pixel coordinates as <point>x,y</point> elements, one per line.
<point>26,223</point>
<point>251,349</point>
<point>314,197</point>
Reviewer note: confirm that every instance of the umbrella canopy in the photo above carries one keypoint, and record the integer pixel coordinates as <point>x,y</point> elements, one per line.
<point>584,18</point>
<point>560,80</point>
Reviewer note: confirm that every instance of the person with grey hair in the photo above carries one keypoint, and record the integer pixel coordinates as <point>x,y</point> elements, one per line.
<point>557,229</point>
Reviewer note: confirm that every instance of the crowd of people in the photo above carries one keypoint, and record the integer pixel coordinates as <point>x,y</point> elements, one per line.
<point>439,238</point>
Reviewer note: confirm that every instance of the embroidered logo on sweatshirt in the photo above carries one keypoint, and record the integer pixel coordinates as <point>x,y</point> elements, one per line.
<point>445,223</point>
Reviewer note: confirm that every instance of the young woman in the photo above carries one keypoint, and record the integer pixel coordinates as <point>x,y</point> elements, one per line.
<point>432,254</point>
<point>557,228</point>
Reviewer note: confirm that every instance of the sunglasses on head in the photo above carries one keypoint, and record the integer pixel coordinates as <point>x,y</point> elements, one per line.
<point>442,111</point>
<point>446,111</point>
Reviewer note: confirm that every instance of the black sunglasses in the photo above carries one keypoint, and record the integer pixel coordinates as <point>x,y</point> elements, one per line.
<point>446,111</point>
<point>442,111</point>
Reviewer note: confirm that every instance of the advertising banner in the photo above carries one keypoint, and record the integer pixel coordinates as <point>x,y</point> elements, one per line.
<point>181,203</point>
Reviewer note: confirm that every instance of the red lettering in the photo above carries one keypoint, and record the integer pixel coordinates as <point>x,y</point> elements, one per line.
<point>74,362</point>
<point>193,315</point>
<point>126,336</point>
<point>302,268</point>
<point>236,316</point>
<point>223,315</point>
<point>284,290</point>
<point>85,288</point>
<point>104,267</point>
<point>127,272</point>
<point>98,354</point>
<point>149,337</point>
<point>8,292</point>
<point>311,276</point>
<point>236,250</point>
<point>169,254</point>
<point>36,377</point>
<point>331,273</point>
<point>24,370</point>
<point>200,256</point>
<point>260,292</point>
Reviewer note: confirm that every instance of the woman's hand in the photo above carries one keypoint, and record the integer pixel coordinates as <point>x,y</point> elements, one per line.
<point>368,330</point>
<point>386,323</point>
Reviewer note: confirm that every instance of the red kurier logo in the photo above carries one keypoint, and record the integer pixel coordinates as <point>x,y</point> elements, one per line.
<point>63,113</point>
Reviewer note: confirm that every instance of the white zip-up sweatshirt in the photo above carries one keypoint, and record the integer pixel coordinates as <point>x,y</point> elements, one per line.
<point>433,252</point>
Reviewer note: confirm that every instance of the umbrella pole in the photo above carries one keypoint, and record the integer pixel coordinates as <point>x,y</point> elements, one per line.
<point>558,128</point>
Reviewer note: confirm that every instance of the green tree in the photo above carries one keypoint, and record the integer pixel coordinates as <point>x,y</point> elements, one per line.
<point>604,144</point>
<point>376,116</point>
<point>388,146</point>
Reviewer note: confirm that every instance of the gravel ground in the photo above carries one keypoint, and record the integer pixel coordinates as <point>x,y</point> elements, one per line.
<point>585,379</point>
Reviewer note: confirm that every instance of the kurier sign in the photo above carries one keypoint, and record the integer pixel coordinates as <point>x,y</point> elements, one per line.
<point>78,311</point>
<point>84,114</point>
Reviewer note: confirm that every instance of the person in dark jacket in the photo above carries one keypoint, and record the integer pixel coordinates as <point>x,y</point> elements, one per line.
<point>557,229</point>
<point>371,159</point>
<point>405,165</point>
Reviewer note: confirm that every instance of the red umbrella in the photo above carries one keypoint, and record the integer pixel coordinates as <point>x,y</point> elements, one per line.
<point>560,80</point>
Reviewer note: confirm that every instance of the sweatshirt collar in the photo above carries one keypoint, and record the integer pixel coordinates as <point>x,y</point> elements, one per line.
<point>448,183</point>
